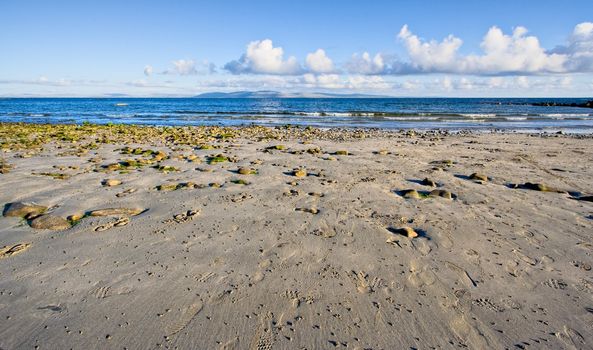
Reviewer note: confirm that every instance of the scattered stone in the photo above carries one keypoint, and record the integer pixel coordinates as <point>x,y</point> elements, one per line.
<point>277,147</point>
<point>126,192</point>
<point>410,194</point>
<point>75,218</point>
<point>441,193</point>
<point>23,210</point>
<point>116,211</point>
<point>308,210</point>
<point>166,168</point>
<point>240,182</point>
<point>382,152</point>
<point>246,171</point>
<point>300,173</point>
<point>49,222</point>
<point>478,177</point>
<point>219,158</point>
<point>215,185</point>
<point>536,187</point>
<point>406,231</point>
<point>428,182</point>
<point>111,182</point>
<point>341,153</point>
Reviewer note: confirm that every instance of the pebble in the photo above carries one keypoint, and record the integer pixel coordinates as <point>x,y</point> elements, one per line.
<point>24,210</point>
<point>111,182</point>
<point>50,222</point>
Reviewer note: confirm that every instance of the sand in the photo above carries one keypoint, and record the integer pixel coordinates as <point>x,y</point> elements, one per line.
<point>309,248</point>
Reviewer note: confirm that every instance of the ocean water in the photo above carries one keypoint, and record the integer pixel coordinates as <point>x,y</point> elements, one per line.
<point>388,113</point>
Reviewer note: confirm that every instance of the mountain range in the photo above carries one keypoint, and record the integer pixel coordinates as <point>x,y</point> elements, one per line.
<point>276,94</point>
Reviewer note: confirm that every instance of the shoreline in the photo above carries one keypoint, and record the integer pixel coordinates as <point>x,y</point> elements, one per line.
<point>233,238</point>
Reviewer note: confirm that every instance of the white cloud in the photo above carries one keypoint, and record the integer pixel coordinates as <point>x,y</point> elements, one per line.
<point>262,57</point>
<point>579,48</point>
<point>432,55</point>
<point>148,70</point>
<point>355,82</point>
<point>318,62</point>
<point>502,54</point>
<point>185,67</point>
<point>189,67</point>
<point>365,64</point>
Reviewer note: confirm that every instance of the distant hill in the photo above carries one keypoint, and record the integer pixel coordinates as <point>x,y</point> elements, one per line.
<point>276,94</point>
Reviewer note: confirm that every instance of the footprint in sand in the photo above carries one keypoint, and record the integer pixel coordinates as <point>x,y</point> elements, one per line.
<point>183,217</point>
<point>13,249</point>
<point>184,319</point>
<point>117,223</point>
<point>462,273</point>
<point>263,338</point>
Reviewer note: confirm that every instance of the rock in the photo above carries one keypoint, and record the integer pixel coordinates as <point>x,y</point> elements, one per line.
<point>429,182</point>
<point>407,231</point>
<point>75,217</point>
<point>308,210</point>
<point>538,187</point>
<point>341,153</point>
<point>215,185</point>
<point>49,222</point>
<point>382,152</point>
<point>410,194</point>
<point>478,177</point>
<point>111,182</point>
<point>23,210</point>
<point>441,193</point>
<point>246,171</point>
<point>116,211</point>
<point>300,173</point>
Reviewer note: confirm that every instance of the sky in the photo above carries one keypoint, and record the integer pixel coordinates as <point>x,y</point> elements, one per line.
<point>528,48</point>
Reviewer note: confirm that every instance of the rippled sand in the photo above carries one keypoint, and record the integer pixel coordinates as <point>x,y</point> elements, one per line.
<point>206,238</point>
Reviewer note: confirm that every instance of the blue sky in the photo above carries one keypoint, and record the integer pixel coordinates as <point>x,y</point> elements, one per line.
<point>398,48</point>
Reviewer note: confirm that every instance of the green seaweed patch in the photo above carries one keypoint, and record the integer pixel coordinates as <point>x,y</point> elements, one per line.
<point>240,182</point>
<point>206,146</point>
<point>56,176</point>
<point>166,168</point>
<point>219,158</point>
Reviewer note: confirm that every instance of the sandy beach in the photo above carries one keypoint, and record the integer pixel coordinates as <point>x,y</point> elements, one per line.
<point>119,237</point>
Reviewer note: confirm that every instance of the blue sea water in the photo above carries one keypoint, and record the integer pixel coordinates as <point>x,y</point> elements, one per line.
<point>389,113</point>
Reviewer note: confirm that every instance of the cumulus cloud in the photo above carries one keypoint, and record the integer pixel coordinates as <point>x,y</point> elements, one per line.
<point>148,70</point>
<point>262,57</point>
<point>190,67</point>
<point>354,82</point>
<point>517,53</point>
<point>579,48</point>
<point>430,55</point>
<point>365,64</point>
<point>318,62</point>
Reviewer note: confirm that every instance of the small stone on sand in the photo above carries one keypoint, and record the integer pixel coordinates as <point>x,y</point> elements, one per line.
<point>300,173</point>
<point>111,182</point>
<point>429,182</point>
<point>24,210</point>
<point>478,177</point>
<point>410,194</point>
<point>406,231</point>
<point>50,222</point>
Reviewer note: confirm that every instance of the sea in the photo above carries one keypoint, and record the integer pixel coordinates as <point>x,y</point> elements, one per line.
<point>454,114</point>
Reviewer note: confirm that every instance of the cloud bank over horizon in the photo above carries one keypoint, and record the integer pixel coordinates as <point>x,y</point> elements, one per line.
<point>514,60</point>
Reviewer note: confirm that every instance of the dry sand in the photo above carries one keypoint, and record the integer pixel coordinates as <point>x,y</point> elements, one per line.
<point>279,261</point>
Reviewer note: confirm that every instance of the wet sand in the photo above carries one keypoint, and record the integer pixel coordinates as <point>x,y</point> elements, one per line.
<point>257,238</point>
